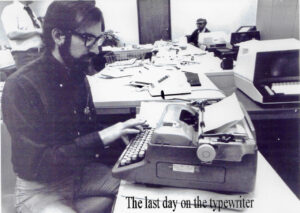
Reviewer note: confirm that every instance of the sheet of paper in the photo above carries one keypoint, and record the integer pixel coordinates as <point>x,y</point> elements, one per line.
<point>123,63</point>
<point>118,72</point>
<point>223,114</point>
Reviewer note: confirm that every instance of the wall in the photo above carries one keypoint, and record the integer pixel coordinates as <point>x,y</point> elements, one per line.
<point>278,19</point>
<point>121,16</point>
<point>221,15</point>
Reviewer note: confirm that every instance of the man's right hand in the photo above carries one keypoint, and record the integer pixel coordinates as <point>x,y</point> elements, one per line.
<point>112,133</point>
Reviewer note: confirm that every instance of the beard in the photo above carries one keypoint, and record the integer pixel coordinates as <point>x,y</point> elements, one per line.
<point>81,65</point>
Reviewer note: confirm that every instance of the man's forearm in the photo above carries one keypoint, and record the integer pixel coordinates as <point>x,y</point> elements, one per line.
<point>22,34</point>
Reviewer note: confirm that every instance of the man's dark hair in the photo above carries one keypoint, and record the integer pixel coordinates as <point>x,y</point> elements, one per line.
<point>200,20</point>
<point>68,16</point>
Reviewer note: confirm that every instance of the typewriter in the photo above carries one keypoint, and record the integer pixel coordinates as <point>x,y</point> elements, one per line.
<point>177,152</point>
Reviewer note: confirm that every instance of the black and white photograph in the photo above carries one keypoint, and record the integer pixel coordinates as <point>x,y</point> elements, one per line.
<point>169,106</point>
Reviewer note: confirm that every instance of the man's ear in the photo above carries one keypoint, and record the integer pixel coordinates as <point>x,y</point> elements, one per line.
<point>58,36</point>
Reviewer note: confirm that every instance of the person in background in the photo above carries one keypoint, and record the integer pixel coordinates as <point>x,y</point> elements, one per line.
<point>201,28</point>
<point>47,105</point>
<point>112,39</point>
<point>23,30</point>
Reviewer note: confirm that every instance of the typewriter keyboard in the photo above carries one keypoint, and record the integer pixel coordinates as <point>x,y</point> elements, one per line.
<point>137,148</point>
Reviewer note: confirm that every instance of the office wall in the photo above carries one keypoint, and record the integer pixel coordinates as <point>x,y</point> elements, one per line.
<point>222,15</point>
<point>278,19</point>
<point>121,16</point>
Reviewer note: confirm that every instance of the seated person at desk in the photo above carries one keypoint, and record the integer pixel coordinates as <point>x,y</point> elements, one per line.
<point>49,112</point>
<point>201,28</point>
<point>23,30</point>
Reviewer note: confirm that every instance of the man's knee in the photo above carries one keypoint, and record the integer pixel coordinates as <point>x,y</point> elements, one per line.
<point>94,205</point>
<point>97,181</point>
<point>58,208</point>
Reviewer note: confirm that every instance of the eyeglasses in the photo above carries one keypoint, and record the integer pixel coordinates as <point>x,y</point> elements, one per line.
<point>89,39</point>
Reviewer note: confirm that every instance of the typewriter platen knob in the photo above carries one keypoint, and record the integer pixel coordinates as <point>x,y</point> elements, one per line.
<point>206,153</point>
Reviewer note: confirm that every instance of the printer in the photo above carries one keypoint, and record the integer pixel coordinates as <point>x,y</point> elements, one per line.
<point>212,40</point>
<point>268,71</point>
<point>177,152</point>
<point>243,33</point>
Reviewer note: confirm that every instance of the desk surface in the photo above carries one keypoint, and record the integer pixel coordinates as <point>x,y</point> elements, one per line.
<point>7,60</point>
<point>116,93</point>
<point>258,111</point>
<point>271,194</point>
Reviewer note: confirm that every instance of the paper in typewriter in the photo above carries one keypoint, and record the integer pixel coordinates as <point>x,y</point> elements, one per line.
<point>222,115</point>
<point>217,117</point>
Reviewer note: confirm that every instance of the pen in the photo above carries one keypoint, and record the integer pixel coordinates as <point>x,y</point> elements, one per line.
<point>163,78</point>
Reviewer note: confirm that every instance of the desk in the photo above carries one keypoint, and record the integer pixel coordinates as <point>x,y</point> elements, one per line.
<point>7,64</point>
<point>224,81</point>
<point>277,129</point>
<point>113,96</point>
<point>277,132</point>
<point>270,194</point>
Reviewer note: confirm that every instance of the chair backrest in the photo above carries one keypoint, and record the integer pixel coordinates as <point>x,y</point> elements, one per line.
<point>8,177</point>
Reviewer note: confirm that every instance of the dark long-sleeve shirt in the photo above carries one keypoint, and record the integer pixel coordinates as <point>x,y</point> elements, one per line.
<point>50,115</point>
<point>193,38</point>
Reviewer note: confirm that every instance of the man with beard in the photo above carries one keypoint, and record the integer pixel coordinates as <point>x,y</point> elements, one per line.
<point>201,28</point>
<point>49,112</point>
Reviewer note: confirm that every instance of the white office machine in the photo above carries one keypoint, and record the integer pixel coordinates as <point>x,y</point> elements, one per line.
<point>212,39</point>
<point>206,145</point>
<point>268,71</point>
